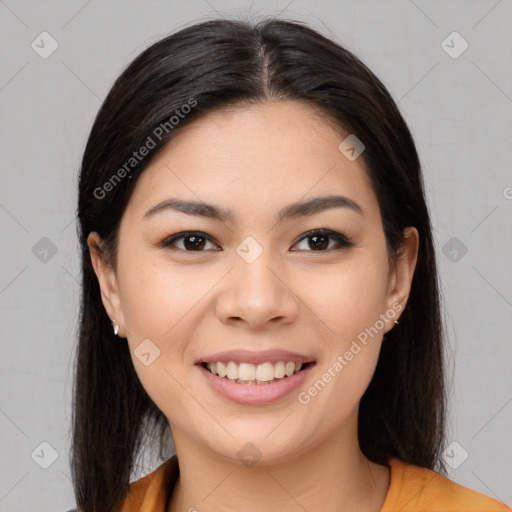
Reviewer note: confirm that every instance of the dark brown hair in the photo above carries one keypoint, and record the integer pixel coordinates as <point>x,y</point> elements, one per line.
<point>216,63</point>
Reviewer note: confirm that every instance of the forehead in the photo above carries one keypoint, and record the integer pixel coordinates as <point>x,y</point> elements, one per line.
<point>254,159</point>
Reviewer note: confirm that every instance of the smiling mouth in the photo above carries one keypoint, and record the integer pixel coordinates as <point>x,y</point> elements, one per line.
<point>247,373</point>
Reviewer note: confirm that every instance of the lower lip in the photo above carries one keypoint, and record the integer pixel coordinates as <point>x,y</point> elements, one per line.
<point>256,394</point>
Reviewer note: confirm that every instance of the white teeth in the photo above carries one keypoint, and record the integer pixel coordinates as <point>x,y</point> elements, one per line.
<point>232,371</point>
<point>221,369</point>
<point>279,370</point>
<point>248,373</point>
<point>265,372</point>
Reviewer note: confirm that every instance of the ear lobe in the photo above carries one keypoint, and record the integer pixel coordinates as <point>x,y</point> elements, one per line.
<point>107,280</point>
<point>403,272</point>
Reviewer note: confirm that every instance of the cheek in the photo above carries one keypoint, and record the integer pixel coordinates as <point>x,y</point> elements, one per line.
<point>157,297</point>
<point>348,300</point>
<point>161,307</point>
<point>347,297</point>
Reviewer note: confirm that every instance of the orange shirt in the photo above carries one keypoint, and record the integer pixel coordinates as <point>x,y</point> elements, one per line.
<point>412,489</point>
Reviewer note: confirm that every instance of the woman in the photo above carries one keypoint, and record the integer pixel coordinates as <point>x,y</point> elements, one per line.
<point>259,277</point>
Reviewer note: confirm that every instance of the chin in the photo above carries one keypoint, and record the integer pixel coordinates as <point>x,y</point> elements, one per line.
<point>258,450</point>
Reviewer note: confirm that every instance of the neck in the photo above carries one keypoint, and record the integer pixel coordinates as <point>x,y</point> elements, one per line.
<point>334,476</point>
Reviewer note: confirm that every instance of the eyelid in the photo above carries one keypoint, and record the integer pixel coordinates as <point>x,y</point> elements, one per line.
<point>342,240</point>
<point>167,243</point>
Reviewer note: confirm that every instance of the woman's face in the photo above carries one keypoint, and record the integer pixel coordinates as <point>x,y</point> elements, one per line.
<point>255,281</point>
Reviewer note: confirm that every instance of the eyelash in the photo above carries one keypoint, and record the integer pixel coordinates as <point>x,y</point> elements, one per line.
<point>342,240</point>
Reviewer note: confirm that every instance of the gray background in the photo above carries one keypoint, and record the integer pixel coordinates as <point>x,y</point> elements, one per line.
<point>459,110</point>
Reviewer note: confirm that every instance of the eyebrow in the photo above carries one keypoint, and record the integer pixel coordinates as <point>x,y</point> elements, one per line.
<point>292,211</point>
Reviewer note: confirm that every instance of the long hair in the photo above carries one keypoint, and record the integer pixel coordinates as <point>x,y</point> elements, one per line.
<point>208,66</point>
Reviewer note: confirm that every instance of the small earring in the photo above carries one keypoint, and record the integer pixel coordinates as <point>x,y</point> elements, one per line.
<point>396,322</point>
<point>116,327</point>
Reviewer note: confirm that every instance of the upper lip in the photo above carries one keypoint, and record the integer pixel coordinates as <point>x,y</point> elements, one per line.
<point>248,356</point>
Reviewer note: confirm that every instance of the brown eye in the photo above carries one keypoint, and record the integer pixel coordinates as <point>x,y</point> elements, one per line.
<point>193,241</point>
<point>318,240</point>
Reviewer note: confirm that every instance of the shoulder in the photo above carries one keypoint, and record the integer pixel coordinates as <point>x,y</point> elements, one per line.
<point>152,491</point>
<point>418,489</point>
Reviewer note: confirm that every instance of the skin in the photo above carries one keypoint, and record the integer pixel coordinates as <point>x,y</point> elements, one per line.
<point>255,161</point>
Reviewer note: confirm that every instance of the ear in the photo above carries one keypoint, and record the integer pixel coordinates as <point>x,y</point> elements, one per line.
<point>108,283</point>
<point>402,274</point>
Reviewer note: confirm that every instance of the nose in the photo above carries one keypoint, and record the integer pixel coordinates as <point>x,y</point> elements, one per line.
<point>257,294</point>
